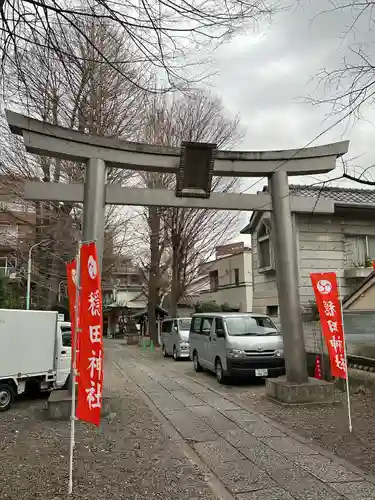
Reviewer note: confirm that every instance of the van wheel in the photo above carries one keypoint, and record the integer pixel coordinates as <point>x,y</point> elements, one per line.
<point>220,376</point>
<point>6,396</point>
<point>197,365</point>
<point>175,355</point>
<point>165,354</point>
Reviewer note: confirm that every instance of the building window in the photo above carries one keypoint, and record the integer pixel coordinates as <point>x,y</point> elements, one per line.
<point>272,310</point>
<point>236,277</point>
<point>214,280</point>
<point>360,250</point>
<point>264,247</point>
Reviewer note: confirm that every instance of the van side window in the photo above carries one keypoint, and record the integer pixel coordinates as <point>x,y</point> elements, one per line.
<point>167,326</point>
<point>219,324</point>
<point>67,339</point>
<point>195,324</point>
<point>206,325</point>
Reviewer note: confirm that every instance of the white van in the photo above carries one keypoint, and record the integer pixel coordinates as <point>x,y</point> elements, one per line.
<point>175,337</point>
<point>231,344</point>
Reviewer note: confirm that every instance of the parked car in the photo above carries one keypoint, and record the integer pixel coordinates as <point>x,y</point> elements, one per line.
<point>175,337</point>
<point>236,344</point>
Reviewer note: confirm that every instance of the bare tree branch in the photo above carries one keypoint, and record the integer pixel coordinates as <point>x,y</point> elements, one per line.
<point>93,98</point>
<point>161,33</point>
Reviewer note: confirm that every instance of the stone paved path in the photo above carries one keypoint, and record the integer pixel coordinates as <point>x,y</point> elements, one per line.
<point>252,458</point>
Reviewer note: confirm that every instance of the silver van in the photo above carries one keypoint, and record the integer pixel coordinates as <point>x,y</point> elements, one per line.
<point>175,337</point>
<point>232,344</point>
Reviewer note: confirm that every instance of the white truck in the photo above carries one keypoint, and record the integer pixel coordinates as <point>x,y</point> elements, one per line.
<point>35,350</point>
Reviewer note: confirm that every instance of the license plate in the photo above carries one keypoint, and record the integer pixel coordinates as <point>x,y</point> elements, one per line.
<point>261,373</point>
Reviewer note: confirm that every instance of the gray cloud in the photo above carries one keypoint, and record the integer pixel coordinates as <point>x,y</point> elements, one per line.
<point>264,75</point>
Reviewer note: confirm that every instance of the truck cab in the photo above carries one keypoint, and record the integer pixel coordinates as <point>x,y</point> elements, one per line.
<point>64,353</point>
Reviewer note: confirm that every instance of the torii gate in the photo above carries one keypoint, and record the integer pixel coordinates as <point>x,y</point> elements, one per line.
<point>193,164</point>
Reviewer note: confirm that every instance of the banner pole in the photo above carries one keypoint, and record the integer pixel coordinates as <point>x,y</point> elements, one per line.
<point>346,359</point>
<point>74,371</point>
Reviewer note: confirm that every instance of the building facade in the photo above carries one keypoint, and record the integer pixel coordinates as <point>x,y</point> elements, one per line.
<point>343,242</point>
<point>229,278</point>
<point>17,227</point>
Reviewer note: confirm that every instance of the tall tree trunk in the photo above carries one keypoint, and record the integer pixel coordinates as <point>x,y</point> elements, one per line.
<point>175,285</point>
<point>177,262</point>
<point>153,282</point>
<point>173,301</point>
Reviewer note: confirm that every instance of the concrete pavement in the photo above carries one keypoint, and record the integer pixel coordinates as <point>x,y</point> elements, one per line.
<point>246,456</point>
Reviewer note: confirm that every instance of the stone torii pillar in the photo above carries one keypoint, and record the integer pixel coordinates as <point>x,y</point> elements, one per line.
<point>194,165</point>
<point>94,205</point>
<point>287,278</point>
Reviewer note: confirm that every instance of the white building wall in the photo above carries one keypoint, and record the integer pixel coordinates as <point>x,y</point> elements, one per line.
<point>237,296</point>
<point>323,246</point>
<point>264,284</point>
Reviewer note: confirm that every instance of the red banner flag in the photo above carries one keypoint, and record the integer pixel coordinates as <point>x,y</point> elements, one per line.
<point>90,361</point>
<point>71,268</point>
<point>327,299</point>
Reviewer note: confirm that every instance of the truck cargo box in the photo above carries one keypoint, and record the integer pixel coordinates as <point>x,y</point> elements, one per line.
<point>27,342</point>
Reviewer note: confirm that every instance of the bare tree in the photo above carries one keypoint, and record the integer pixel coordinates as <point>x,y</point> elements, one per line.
<point>190,235</point>
<point>352,84</point>
<point>350,87</point>
<point>95,99</point>
<point>161,34</point>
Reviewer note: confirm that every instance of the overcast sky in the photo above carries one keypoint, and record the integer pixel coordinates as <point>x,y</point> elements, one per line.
<point>265,77</point>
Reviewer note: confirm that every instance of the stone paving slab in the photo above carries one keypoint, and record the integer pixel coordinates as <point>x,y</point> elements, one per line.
<point>213,418</point>
<point>170,385</point>
<point>166,402</point>
<point>219,403</point>
<point>288,446</point>
<point>300,484</point>
<point>311,489</point>
<point>265,457</point>
<point>240,438</point>
<point>356,491</point>
<point>187,398</point>
<point>242,416</point>
<point>324,469</point>
<point>191,386</point>
<point>191,427</point>
<point>261,429</point>
<point>267,494</point>
<point>217,452</point>
<point>242,476</point>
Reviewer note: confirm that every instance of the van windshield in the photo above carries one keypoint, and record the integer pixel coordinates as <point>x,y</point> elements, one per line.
<point>184,324</point>
<point>251,325</point>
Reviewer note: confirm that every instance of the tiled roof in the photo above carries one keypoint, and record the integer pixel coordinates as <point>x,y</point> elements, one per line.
<point>347,196</point>
<point>358,289</point>
<point>338,194</point>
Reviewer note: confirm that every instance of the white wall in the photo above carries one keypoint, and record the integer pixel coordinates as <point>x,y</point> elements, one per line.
<point>237,296</point>
<point>264,284</point>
